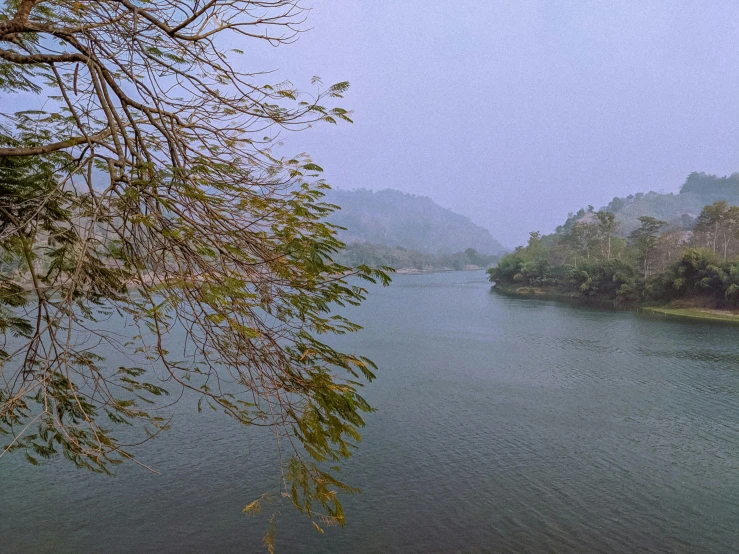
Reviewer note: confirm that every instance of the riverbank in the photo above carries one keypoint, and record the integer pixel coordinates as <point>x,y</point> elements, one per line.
<point>416,271</point>
<point>692,314</point>
<point>681,311</point>
<point>544,293</point>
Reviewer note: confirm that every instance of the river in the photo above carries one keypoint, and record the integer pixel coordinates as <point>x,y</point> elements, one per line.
<point>503,425</point>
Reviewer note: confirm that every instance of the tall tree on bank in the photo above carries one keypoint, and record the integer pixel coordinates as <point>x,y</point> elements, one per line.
<point>644,239</point>
<point>607,228</point>
<point>147,187</point>
<point>719,224</point>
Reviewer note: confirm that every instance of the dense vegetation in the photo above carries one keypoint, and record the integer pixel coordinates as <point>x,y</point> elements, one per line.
<point>395,219</point>
<point>593,259</point>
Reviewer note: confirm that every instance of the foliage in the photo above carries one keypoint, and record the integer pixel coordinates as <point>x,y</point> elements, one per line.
<point>644,240</point>
<point>700,273</point>
<point>590,261</point>
<point>149,187</point>
<point>719,223</point>
<point>712,186</point>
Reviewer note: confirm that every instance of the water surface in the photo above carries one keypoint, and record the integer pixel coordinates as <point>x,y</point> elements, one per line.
<point>504,425</point>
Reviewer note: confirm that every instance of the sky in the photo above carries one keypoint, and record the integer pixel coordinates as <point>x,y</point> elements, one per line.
<point>517,112</point>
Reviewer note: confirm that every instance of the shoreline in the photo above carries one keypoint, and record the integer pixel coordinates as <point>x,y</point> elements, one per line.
<point>540,293</point>
<point>705,315</point>
<point>691,314</point>
<point>416,271</point>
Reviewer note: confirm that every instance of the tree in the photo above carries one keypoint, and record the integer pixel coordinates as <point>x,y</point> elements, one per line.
<point>710,222</point>
<point>474,257</point>
<point>535,246</point>
<point>719,222</point>
<point>607,227</point>
<point>731,228</point>
<point>644,239</point>
<point>584,237</point>
<point>150,186</point>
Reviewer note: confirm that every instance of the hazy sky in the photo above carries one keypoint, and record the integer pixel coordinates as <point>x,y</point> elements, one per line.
<point>517,112</point>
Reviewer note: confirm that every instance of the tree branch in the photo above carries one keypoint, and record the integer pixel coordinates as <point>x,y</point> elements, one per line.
<point>53,147</point>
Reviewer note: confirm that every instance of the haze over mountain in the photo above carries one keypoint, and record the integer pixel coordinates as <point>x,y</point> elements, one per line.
<point>397,219</point>
<point>678,210</point>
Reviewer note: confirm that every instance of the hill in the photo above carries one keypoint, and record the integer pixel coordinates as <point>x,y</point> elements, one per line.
<point>395,219</point>
<point>678,210</point>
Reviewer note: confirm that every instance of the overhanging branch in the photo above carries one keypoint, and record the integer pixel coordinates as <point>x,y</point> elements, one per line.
<point>52,147</point>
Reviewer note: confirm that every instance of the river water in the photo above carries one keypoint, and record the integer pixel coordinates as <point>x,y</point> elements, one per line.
<point>503,425</point>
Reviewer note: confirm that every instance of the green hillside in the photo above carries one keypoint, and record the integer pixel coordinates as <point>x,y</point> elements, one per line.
<point>678,210</point>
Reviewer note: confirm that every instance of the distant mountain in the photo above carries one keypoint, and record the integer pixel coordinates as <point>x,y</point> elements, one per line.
<point>678,210</point>
<point>396,219</point>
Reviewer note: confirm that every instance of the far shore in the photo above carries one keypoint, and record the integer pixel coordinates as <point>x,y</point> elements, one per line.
<point>416,271</point>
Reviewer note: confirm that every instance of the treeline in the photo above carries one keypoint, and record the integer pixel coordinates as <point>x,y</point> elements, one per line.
<point>397,257</point>
<point>649,265</point>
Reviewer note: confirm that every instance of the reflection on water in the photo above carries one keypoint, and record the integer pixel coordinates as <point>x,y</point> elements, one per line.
<point>503,425</point>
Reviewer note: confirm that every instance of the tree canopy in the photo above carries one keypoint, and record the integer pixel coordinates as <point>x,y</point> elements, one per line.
<point>652,265</point>
<point>145,181</point>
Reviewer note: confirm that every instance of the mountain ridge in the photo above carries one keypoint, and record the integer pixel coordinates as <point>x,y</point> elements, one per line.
<point>394,218</point>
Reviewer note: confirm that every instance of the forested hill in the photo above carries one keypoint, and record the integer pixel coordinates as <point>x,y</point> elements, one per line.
<point>684,262</point>
<point>678,210</point>
<point>396,219</point>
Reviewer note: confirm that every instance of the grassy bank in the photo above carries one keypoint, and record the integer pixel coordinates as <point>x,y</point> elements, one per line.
<point>692,314</point>
<point>682,312</point>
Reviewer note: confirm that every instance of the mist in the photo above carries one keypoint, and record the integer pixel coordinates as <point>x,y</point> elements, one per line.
<point>515,113</point>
